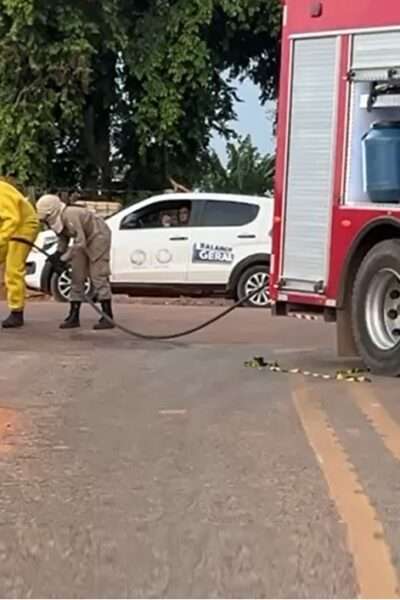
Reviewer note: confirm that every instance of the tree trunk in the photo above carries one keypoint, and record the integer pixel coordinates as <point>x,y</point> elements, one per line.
<point>96,139</point>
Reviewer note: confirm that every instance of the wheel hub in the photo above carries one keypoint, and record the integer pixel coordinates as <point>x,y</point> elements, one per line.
<point>383,309</point>
<point>254,283</point>
<point>64,285</point>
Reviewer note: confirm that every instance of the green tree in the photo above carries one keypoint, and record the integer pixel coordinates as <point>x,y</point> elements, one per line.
<point>91,90</point>
<point>246,172</point>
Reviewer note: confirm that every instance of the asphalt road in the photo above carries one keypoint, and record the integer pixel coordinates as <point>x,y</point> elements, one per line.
<point>133,469</point>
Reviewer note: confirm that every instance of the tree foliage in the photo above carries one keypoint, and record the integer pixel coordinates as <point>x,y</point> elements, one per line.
<point>246,171</point>
<point>91,90</point>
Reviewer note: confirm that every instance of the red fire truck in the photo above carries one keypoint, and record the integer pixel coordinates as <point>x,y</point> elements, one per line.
<point>336,245</point>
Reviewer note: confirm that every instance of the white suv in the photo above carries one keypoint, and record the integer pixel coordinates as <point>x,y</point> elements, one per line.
<point>180,244</point>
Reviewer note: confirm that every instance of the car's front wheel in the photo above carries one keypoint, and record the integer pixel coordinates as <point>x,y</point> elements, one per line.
<point>60,286</point>
<point>252,280</point>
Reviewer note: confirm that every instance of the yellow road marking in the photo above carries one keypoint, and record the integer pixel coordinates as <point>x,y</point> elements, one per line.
<point>376,575</point>
<point>385,426</point>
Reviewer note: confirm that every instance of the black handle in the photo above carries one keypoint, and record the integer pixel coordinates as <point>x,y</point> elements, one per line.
<point>246,237</point>
<point>178,239</point>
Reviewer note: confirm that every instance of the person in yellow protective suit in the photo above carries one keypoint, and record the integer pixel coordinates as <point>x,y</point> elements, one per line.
<point>18,218</point>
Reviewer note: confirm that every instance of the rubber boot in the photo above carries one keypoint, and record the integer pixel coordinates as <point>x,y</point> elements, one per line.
<point>15,320</point>
<point>73,320</point>
<point>104,323</point>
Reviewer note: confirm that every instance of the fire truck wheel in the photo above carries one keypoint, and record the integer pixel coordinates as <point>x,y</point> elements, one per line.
<point>376,309</point>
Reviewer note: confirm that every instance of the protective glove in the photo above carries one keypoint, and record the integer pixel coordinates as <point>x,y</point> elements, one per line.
<point>58,264</point>
<point>67,256</point>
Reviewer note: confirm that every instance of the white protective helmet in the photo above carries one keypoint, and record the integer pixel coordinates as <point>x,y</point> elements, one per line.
<point>50,208</point>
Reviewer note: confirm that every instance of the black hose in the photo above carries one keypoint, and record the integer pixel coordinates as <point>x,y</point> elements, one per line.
<point>173,336</point>
<point>138,334</point>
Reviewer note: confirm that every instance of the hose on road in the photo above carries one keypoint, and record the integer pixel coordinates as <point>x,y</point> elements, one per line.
<point>349,375</point>
<point>145,336</point>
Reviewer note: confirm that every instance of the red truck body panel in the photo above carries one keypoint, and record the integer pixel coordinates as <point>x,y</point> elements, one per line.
<point>341,15</point>
<point>344,18</point>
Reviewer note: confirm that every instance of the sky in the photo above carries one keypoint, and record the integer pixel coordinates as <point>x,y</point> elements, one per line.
<point>253,119</point>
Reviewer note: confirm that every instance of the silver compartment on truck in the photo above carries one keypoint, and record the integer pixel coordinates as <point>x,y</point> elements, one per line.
<point>375,62</point>
<point>310,162</point>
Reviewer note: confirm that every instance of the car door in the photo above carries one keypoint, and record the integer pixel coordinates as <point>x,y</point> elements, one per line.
<point>149,248</point>
<point>227,232</point>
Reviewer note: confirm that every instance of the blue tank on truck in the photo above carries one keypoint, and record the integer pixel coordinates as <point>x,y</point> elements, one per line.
<point>381,156</point>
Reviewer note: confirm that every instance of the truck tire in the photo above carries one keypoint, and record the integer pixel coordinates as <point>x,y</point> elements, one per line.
<point>376,309</point>
<point>252,278</point>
